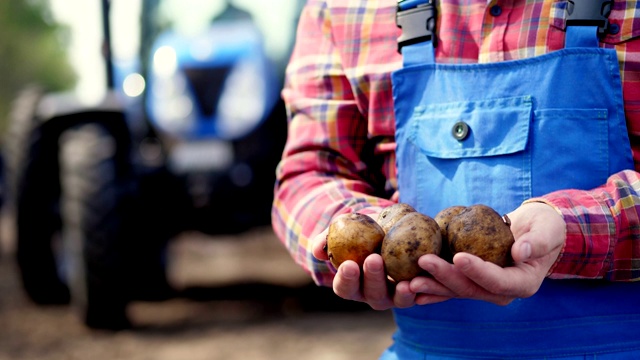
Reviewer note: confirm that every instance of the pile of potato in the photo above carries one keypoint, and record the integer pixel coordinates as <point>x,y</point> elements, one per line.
<point>401,235</point>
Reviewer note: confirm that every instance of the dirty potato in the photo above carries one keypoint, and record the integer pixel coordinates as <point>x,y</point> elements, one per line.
<point>391,214</point>
<point>414,235</point>
<point>443,218</point>
<point>353,236</point>
<point>481,231</point>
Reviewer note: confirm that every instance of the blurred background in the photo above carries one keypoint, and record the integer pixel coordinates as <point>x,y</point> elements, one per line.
<point>139,140</point>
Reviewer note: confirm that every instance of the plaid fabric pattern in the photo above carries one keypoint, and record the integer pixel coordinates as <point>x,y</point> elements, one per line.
<point>603,233</point>
<point>340,156</point>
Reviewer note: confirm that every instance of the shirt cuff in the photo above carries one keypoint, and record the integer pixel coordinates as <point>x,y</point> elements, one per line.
<point>588,239</point>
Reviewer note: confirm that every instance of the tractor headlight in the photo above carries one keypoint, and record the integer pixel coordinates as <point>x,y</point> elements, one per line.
<point>242,102</point>
<point>133,85</point>
<point>170,104</point>
<point>165,62</point>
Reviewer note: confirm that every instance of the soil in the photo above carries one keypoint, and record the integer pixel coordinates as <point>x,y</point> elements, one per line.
<point>241,297</point>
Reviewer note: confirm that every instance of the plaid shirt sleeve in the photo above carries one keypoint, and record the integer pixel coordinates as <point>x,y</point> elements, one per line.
<point>322,173</point>
<point>603,230</point>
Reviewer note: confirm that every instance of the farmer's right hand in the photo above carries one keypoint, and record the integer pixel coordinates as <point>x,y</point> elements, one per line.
<point>369,284</point>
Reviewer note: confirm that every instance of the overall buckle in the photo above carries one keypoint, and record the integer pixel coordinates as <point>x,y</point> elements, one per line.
<point>418,24</point>
<point>590,13</point>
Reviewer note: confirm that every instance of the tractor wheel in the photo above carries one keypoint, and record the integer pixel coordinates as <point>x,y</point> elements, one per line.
<point>32,199</point>
<point>96,206</point>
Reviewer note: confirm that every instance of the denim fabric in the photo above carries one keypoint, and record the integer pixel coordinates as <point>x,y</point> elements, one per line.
<point>536,125</point>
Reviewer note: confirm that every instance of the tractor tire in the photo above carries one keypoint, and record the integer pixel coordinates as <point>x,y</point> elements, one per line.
<point>96,204</point>
<point>31,174</point>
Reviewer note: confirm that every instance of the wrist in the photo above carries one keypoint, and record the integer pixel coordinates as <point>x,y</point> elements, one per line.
<point>563,236</point>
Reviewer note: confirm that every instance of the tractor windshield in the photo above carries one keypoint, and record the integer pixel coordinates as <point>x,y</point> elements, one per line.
<point>193,62</point>
<point>275,18</point>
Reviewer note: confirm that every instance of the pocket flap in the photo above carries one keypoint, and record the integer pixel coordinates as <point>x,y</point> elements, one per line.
<point>495,127</point>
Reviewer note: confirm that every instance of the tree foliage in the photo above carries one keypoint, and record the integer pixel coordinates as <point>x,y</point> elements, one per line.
<point>33,50</point>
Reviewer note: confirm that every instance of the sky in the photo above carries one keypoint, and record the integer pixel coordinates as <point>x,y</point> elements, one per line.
<point>83,17</point>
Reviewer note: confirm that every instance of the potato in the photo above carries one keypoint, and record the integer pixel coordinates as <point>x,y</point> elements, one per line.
<point>391,214</point>
<point>414,235</point>
<point>443,218</point>
<point>481,231</point>
<point>353,236</point>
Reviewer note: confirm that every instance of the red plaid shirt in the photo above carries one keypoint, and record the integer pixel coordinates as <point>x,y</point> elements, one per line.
<point>340,152</point>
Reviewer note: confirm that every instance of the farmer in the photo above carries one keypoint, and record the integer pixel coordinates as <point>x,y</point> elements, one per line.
<point>531,107</point>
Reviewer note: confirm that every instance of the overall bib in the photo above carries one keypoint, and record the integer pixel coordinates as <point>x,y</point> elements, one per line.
<point>498,134</point>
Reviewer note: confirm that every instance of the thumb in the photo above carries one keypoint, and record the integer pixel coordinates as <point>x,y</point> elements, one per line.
<point>541,234</point>
<point>533,246</point>
<point>319,246</point>
<point>522,251</point>
<point>537,244</point>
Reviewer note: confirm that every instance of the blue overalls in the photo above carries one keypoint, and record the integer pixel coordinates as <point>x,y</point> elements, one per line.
<point>498,134</point>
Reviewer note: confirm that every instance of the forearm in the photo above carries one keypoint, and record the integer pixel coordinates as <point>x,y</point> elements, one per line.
<point>325,170</point>
<point>603,230</point>
<point>322,174</point>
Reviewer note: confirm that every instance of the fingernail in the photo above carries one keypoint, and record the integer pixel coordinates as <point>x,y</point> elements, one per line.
<point>419,289</point>
<point>526,250</point>
<point>374,269</point>
<point>349,273</point>
<point>464,263</point>
<point>430,268</point>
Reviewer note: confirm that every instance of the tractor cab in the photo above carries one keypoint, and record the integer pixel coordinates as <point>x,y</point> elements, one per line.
<point>186,137</point>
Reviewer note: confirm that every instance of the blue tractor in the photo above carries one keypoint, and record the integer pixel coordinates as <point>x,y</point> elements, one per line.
<point>187,137</point>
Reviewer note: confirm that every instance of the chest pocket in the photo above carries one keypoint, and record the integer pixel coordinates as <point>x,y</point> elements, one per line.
<point>624,35</point>
<point>501,152</point>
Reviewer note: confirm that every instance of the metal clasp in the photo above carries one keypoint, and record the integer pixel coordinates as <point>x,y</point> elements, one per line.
<point>418,24</point>
<point>590,13</point>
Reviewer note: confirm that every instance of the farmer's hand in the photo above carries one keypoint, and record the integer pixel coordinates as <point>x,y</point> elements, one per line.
<point>369,285</point>
<point>539,233</point>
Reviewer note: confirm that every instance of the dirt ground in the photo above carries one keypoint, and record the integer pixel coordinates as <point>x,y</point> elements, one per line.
<point>242,298</point>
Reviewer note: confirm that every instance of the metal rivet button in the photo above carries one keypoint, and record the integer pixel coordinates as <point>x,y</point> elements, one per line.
<point>460,130</point>
<point>495,10</point>
<point>614,28</point>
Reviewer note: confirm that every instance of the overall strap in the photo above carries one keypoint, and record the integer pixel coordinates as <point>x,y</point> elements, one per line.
<point>417,19</point>
<point>587,21</point>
